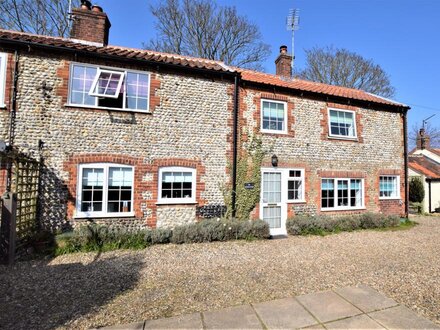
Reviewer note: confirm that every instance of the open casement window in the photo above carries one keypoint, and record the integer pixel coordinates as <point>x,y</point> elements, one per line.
<point>3,58</point>
<point>389,187</point>
<point>342,123</point>
<point>177,185</point>
<point>105,190</point>
<point>107,84</point>
<point>342,194</point>
<point>92,86</point>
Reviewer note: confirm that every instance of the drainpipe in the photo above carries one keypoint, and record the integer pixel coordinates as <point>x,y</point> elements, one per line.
<point>12,121</point>
<point>234,145</point>
<point>405,159</point>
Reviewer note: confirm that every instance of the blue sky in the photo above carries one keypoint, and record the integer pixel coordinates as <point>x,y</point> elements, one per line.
<point>402,36</point>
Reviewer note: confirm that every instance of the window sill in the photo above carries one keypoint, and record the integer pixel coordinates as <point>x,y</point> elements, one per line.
<point>91,107</point>
<point>102,216</point>
<point>343,209</point>
<point>389,198</point>
<point>160,203</point>
<point>343,138</point>
<point>302,201</point>
<point>2,106</point>
<point>264,131</point>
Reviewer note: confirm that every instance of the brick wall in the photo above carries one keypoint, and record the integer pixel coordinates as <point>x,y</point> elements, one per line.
<point>189,125</point>
<point>378,148</point>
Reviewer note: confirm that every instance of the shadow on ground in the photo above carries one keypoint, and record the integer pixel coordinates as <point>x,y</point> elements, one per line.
<point>50,296</point>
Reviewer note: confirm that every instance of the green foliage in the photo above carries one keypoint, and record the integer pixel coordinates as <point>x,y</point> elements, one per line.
<point>248,171</point>
<point>416,190</point>
<point>321,225</point>
<point>102,238</point>
<point>220,230</point>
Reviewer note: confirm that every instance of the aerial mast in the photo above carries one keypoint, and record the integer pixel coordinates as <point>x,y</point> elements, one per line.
<point>293,25</point>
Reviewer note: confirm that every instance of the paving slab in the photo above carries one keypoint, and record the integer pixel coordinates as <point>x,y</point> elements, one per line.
<point>314,327</point>
<point>355,322</point>
<point>283,314</point>
<point>328,306</point>
<point>401,317</point>
<point>241,317</point>
<point>131,326</point>
<point>366,298</point>
<point>190,321</point>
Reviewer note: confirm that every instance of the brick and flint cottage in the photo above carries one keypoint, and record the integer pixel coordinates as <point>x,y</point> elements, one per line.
<point>147,139</point>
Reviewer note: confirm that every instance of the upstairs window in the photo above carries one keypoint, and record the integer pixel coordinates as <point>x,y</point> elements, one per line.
<point>389,187</point>
<point>105,190</point>
<point>342,194</point>
<point>177,185</point>
<point>3,58</point>
<point>273,116</point>
<point>342,123</point>
<point>92,86</point>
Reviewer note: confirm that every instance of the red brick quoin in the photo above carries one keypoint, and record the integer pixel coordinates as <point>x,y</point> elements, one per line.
<point>144,208</point>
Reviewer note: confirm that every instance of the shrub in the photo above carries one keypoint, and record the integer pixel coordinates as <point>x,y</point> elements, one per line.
<point>320,225</point>
<point>416,190</point>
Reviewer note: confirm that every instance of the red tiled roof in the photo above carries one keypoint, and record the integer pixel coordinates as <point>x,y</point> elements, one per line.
<point>193,62</point>
<point>424,165</point>
<point>140,54</point>
<point>309,86</point>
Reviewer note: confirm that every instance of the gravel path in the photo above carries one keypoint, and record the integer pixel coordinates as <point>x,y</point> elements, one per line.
<point>90,290</point>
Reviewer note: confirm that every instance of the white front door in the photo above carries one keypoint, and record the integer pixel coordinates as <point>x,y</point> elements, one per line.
<point>273,207</point>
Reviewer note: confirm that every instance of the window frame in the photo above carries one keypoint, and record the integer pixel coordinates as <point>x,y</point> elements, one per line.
<point>103,213</point>
<point>3,68</point>
<point>337,136</point>
<point>335,197</point>
<point>271,131</point>
<point>302,198</point>
<point>397,196</point>
<point>124,87</point>
<point>93,88</point>
<point>171,201</point>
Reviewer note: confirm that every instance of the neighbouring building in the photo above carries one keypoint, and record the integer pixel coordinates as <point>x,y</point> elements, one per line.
<point>424,162</point>
<point>146,139</point>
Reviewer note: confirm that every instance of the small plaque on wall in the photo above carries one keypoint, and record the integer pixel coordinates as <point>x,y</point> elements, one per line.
<point>249,185</point>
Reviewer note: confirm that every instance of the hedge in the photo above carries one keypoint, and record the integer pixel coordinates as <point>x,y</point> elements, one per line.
<point>318,225</point>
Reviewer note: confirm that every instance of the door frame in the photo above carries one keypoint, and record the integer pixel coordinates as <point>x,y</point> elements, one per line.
<point>283,203</point>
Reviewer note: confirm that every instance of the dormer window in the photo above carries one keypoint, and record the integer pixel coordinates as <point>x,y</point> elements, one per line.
<point>97,87</point>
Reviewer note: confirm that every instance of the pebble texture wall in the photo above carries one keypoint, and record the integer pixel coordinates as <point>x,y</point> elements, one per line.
<point>190,122</point>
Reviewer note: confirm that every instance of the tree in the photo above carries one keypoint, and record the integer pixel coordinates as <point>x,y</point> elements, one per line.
<point>47,17</point>
<point>431,131</point>
<point>200,28</point>
<point>344,68</point>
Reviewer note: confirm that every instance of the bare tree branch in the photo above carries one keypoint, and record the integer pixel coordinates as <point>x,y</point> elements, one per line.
<point>47,17</point>
<point>202,28</point>
<point>431,131</point>
<point>344,68</point>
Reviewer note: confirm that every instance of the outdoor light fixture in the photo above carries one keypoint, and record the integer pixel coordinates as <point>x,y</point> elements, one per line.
<point>3,146</point>
<point>274,161</point>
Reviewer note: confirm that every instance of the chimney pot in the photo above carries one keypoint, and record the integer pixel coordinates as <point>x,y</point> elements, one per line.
<point>284,63</point>
<point>97,9</point>
<point>423,140</point>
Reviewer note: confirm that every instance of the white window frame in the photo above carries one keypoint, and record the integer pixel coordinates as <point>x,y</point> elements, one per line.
<point>342,208</point>
<point>191,200</point>
<point>302,198</point>
<point>96,106</point>
<point>94,88</point>
<point>284,131</point>
<point>3,67</point>
<point>103,213</point>
<point>397,196</point>
<point>342,136</point>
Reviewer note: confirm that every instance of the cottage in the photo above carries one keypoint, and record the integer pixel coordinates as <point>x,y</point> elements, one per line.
<point>146,139</point>
<point>424,162</point>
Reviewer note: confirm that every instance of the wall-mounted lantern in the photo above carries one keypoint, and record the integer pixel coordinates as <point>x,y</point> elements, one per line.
<point>274,161</point>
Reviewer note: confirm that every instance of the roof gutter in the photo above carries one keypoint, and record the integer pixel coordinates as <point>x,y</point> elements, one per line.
<point>75,52</point>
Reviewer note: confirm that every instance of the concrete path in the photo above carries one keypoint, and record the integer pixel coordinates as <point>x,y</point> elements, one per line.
<point>358,307</point>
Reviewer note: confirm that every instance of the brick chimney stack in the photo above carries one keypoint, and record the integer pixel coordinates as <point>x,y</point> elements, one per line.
<point>284,63</point>
<point>423,140</point>
<point>90,24</point>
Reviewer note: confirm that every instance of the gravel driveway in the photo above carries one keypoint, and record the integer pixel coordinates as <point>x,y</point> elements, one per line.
<point>89,290</point>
